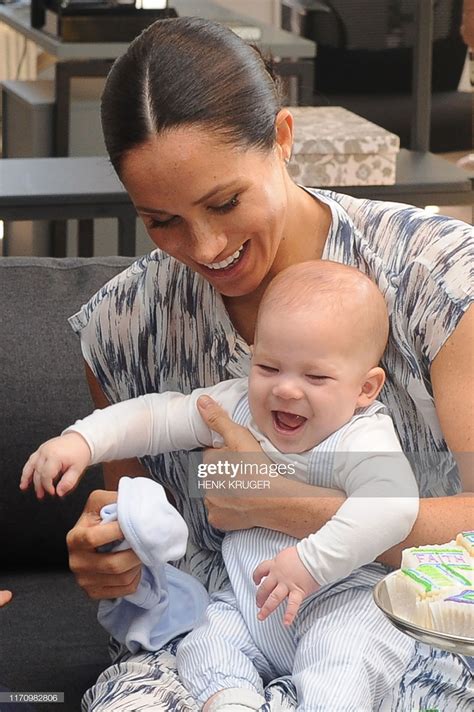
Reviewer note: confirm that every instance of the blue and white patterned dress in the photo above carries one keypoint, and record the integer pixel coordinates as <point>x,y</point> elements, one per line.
<point>158,326</point>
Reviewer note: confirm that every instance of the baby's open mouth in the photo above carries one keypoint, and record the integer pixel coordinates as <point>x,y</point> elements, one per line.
<point>287,422</point>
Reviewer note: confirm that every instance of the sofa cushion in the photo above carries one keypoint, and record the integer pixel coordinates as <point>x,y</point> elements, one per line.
<point>50,640</point>
<point>42,389</point>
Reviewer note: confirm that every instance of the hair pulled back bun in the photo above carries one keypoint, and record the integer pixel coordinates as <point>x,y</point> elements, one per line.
<point>187,71</point>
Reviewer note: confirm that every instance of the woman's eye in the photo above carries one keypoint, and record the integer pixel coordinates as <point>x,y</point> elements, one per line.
<point>227,207</point>
<point>153,223</point>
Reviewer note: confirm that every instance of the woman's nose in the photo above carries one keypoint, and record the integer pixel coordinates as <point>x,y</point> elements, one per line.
<point>207,243</point>
<point>287,389</point>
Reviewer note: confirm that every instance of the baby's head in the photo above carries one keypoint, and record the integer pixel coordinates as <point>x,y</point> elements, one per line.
<point>321,330</point>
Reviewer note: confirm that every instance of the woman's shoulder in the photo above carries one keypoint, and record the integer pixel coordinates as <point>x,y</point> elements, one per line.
<point>391,239</point>
<point>131,291</point>
<point>402,227</point>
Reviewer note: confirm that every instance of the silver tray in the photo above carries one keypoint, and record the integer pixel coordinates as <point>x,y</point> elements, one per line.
<point>451,643</point>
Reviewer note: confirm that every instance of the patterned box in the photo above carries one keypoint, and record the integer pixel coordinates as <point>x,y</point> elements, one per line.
<point>335,147</point>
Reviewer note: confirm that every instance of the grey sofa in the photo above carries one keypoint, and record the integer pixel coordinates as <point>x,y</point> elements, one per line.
<point>49,637</point>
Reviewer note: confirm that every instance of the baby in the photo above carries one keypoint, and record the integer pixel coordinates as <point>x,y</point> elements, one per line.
<point>310,401</point>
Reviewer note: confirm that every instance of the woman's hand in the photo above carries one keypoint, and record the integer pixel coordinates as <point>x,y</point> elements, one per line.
<point>5,597</point>
<point>101,575</point>
<point>234,510</point>
<point>467,27</point>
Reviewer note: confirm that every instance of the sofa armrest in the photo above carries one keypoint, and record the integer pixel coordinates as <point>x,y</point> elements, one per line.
<point>42,389</point>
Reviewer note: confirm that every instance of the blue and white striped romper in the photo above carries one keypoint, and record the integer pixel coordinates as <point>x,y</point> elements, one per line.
<point>233,649</point>
<point>158,326</point>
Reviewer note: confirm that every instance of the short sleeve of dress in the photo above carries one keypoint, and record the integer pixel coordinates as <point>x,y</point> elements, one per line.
<point>436,285</point>
<point>155,326</point>
<point>109,326</point>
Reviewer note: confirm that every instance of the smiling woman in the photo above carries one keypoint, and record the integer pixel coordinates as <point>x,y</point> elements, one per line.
<point>207,176</point>
<point>231,214</point>
<point>195,129</point>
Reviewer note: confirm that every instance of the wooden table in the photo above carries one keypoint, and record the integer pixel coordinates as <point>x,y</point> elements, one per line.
<point>87,188</point>
<point>65,189</point>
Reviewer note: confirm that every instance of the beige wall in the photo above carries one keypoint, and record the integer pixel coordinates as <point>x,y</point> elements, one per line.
<point>263,10</point>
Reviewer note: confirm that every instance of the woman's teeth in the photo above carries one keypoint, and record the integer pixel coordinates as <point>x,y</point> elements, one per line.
<point>225,263</point>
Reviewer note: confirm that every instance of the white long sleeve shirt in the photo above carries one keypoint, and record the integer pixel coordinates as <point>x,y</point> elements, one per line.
<point>363,459</point>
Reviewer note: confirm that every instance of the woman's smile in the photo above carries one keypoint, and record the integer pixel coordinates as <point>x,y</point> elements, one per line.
<point>220,210</point>
<point>229,268</point>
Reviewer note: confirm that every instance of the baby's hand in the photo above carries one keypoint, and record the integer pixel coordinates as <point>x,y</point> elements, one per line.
<point>68,455</point>
<point>285,576</point>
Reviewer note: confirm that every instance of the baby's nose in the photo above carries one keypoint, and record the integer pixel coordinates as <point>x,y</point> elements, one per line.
<point>288,389</point>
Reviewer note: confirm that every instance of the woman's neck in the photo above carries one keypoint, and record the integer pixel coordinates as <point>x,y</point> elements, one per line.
<point>305,235</point>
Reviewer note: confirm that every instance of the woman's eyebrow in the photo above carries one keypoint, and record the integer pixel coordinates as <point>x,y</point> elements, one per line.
<point>143,209</point>
<point>213,191</point>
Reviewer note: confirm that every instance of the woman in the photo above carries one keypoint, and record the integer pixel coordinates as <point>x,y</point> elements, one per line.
<point>195,129</point>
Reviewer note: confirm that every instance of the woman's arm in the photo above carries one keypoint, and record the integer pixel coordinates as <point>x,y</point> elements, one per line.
<point>452,377</point>
<point>113,471</point>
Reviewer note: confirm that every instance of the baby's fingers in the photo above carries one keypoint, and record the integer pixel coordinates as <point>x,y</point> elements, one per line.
<point>42,484</point>
<point>68,481</point>
<point>265,588</point>
<point>46,471</point>
<point>273,601</point>
<point>294,602</point>
<point>261,571</point>
<point>28,471</point>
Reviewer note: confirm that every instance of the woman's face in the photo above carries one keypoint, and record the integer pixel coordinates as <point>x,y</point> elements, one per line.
<point>219,209</point>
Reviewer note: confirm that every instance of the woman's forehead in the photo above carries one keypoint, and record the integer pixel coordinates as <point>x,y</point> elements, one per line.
<point>189,162</point>
<point>183,146</point>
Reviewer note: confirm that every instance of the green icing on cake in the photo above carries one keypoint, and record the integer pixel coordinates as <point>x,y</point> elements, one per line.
<point>434,577</point>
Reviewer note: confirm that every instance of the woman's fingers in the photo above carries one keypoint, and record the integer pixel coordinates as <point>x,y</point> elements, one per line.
<point>235,436</point>
<point>120,578</point>
<point>5,597</point>
<point>101,575</point>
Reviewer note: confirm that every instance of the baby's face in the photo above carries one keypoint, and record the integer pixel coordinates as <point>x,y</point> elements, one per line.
<point>305,379</point>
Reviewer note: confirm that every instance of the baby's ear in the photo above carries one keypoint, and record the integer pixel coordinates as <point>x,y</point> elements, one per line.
<point>371,387</point>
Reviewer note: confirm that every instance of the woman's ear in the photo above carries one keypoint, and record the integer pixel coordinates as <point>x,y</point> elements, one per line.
<point>284,133</point>
<point>371,387</point>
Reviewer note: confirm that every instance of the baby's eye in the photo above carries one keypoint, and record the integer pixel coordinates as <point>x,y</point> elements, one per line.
<point>228,206</point>
<point>267,369</point>
<point>316,378</point>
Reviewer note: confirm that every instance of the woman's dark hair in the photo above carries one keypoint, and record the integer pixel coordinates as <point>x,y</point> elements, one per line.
<point>188,71</point>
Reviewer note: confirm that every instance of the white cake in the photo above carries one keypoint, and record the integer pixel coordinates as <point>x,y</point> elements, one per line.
<point>466,540</point>
<point>455,614</point>
<point>451,554</point>
<point>434,588</point>
<point>412,590</point>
